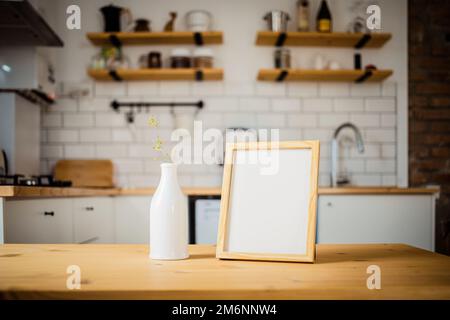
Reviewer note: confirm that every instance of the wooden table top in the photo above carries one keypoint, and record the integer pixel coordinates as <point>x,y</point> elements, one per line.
<point>125,272</point>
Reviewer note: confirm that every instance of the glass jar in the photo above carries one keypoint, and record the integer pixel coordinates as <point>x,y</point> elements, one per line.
<point>282,58</point>
<point>203,58</point>
<point>180,58</point>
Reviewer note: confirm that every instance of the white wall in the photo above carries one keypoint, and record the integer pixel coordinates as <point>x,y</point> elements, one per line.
<point>88,128</point>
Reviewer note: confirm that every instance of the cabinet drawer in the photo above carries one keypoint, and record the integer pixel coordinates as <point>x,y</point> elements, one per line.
<point>93,220</point>
<point>132,219</point>
<point>376,219</point>
<point>38,221</point>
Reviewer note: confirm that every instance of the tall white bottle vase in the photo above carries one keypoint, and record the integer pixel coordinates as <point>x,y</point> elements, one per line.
<point>169,218</point>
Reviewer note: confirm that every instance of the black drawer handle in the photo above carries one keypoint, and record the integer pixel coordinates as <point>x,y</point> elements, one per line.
<point>89,208</point>
<point>49,213</point>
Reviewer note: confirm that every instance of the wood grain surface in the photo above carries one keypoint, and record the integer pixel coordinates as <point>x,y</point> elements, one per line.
<point>126,272</point>
<point>25,192</point>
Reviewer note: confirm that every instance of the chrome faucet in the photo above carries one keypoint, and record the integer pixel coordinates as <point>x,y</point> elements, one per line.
<point>335,150</point>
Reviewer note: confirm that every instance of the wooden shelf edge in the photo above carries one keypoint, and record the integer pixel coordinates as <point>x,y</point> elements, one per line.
<point>323,75</point>
<point>164,74</point>
<point>334,39</point>
<point>155,38</point>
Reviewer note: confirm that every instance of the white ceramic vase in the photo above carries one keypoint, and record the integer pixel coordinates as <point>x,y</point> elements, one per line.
<point>168,218</point>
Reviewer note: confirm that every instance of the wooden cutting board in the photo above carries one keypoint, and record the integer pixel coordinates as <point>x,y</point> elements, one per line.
<point>86,173</point>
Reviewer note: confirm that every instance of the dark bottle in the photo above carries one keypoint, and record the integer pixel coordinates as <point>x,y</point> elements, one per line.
<point>324,18</point>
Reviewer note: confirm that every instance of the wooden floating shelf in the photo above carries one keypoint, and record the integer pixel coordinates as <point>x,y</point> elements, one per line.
<point>156,74</point>
<point>323,75</point>
<point>318,39</point>
<point>153,38</point>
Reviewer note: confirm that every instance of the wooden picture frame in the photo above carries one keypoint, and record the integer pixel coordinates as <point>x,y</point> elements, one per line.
<point>250,226</point>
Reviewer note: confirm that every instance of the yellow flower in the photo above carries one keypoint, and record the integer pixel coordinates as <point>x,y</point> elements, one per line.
<point>158,144</point>
<point>153,122</point>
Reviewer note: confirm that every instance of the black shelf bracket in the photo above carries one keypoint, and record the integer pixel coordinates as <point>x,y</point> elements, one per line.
<point>198,39</point>
<point>283,74</point>
<point>199,75</point>
<point>363,41</point>
<point>281,39</point>
<point>115,41</point>
<point>367,74</point>
<point>113,74</point>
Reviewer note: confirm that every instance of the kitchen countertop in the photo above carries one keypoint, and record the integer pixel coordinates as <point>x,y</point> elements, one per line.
<point>19,191</point>
<point>37,271</point>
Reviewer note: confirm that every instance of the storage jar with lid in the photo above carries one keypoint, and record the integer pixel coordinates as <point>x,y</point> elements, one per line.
<point>203,58</point>
<point>282,58</point>
<point>180,58</point>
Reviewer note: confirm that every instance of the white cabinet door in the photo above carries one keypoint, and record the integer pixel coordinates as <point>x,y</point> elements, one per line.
<point>93,220</point>
<point>404,219</point>
<point>38,221</point>
<point>132,215</point>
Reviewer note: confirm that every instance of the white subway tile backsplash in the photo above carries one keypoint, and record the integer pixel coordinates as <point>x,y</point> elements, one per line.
<point>365,90</point>
<point>389,89</point>
<point>239,89</point>
<point>165,119</point>
<point>111,119</point>
<point>380,105</point>
<point>365,120</point>
<point>370,151</point>
<point>110,89</point>
<point>324,135</point>
<point>62,135</point>
<point>79,151</point>
<point>349,105</point>
<point>389,180</point>
<point>370,180</point>
<point>210,119</point>
<point>290,134</point>
<point>388,151</point>
<point>128,165</point>
<point>51,120</point>
<point>382,166</point>
<point>78,120</point>
<point>302,89</point>
<point>51,151</point>
<point>247,120</point>
<point>95,135</point>
<point>88,128</point>
<point>175,88</point>
<point>207,180</point>
<point>144,88</point>
<point>388,120</point>
<point>142,181</point>
<point>270,89</point>
<point>352,165</point>
<point>334,89</point>
<point>63,105</point>
<point>270,120</point>
<point>254,104</point>
<point>214,88</point>
<point>302,120</point>
<point>324,180</point>
<point>380,135</point>
<point>111,151</point>
<point>222,104</point>
<point>317,105</point>
<point>122,135</point>
<point>94,105</point>
<point>332,120</point>
<point>286,105</point>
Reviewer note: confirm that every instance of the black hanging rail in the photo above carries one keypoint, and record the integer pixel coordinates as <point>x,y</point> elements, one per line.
<point>116,105</point>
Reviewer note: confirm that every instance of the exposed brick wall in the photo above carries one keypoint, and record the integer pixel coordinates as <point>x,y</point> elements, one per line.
<point>429,105</point>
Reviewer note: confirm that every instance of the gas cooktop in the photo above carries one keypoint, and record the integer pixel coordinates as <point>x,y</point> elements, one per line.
<point>32,181</point>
